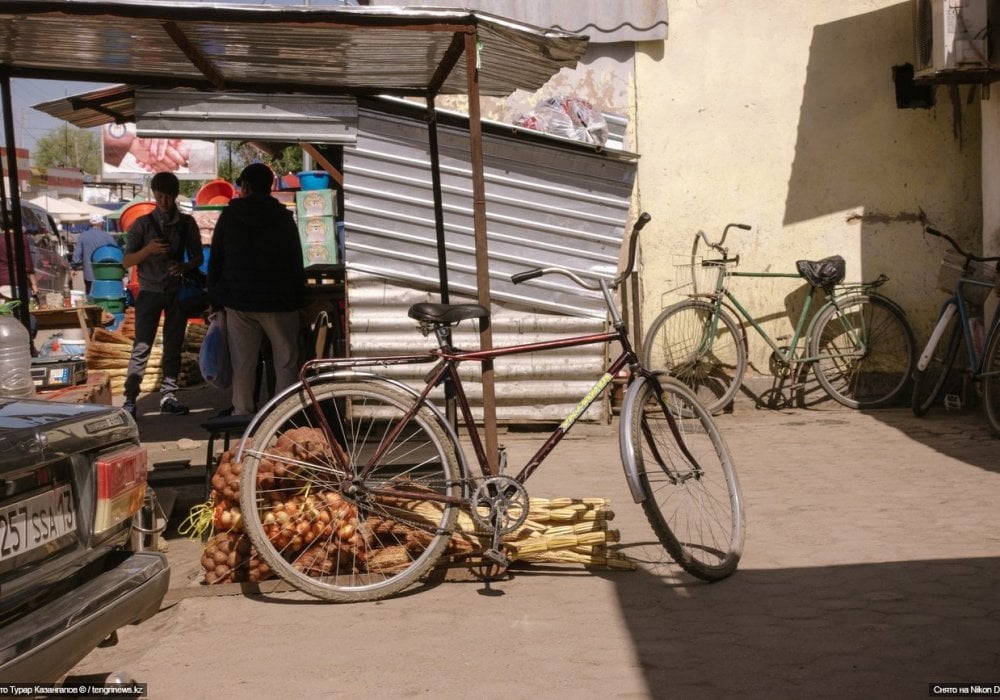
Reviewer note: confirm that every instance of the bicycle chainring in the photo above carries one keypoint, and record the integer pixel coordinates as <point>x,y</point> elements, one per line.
<point>499,504</point>
<point>777,366</point>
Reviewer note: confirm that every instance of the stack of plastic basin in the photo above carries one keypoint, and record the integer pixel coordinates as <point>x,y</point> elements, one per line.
<point>108,288</point>
<point>214,193</point>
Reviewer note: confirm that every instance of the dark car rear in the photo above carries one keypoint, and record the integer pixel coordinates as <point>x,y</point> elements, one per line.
<point>48,249</point>
<point>72,478</point>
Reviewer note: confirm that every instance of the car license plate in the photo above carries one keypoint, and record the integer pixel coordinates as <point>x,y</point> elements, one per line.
<point>36,521</point>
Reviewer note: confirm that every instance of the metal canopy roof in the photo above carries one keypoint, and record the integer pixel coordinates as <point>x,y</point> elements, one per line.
<point>307,49</point>
<point>284,50</point>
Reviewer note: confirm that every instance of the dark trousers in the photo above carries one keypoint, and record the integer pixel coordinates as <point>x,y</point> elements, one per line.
<point>148,308</point>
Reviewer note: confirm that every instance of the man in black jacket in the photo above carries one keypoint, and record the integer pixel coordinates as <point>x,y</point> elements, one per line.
<point>256,272</point>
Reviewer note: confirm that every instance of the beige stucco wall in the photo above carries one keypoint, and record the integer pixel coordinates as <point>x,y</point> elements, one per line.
<point>782,115</point>
<point>991,171</point>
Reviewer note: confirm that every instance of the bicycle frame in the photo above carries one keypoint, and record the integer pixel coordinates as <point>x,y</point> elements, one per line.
<point>789,357</point>
<point>447,360</point>
<point>975,356</point>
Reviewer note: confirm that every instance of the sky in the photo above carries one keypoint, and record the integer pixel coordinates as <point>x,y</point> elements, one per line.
<point>30,124</point>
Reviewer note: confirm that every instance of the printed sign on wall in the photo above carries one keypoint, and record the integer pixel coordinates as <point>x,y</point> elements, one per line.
<point>127,154</point>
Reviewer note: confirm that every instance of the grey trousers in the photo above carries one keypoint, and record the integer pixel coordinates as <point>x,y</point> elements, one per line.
<point>245,329</point>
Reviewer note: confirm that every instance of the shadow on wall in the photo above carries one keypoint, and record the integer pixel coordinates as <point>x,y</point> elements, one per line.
<point>888,169</point>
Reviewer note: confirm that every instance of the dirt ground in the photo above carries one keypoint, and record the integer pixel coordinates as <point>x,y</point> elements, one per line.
<point>871,569</point>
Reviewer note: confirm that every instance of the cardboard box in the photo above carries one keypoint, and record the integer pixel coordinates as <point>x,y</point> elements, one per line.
<point>310,203</point>
<point>318,235</point>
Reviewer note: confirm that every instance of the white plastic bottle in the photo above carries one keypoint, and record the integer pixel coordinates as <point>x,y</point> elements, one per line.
<point>15,355</point>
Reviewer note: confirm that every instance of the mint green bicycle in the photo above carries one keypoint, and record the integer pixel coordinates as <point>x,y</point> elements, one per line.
<point>859,343</point>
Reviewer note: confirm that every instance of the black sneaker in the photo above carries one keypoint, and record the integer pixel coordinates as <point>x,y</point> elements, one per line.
<point>129,407</point>
<point>171,405</point>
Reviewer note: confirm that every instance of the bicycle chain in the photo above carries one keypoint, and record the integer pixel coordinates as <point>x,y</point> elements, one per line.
<point>471,483</point>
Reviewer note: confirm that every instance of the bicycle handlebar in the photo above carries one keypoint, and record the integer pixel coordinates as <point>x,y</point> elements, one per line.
<point>725,232</point>
<point>958,248</point>
<point>639,224</point>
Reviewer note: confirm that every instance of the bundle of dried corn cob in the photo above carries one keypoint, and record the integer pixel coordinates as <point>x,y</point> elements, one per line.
<point>109,352</point>
<point>568,530</point>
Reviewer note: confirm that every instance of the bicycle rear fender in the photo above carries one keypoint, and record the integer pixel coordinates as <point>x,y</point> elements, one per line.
<point>348,374</point>
<point>625,445</point>
<point>847,298</point>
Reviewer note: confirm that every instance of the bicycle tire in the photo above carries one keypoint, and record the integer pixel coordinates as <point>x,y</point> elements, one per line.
<point>370,545</point>
<point>879,376</point>
<point>927,384</point>
<point>674,343</point>
<point>991,384</point>
<point>696,510</point>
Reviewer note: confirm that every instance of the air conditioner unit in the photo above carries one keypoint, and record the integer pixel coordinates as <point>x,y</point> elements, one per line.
<point>949,36</point>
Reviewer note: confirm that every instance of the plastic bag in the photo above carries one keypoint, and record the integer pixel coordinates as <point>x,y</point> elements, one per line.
<point>213,358</point>
<point>569,117</point>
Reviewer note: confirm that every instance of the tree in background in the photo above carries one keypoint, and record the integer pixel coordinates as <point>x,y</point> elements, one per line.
<point>69,147</point>
<point>236,155</point>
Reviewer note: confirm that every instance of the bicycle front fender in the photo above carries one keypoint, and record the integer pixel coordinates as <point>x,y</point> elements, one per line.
<point>629,458</point>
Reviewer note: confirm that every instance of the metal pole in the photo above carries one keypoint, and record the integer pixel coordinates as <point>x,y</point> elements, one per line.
<point>19,253</point>
<point>450,406</point>
<point>482,258</point>
<point>432,138</point>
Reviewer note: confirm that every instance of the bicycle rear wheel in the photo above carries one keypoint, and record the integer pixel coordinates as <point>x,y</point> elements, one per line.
<point>865,349</point>
<point>681,341</point>
<point>692,496</point>
<point>991,382</point>
<point>927,384</point>
<point>329,531</point>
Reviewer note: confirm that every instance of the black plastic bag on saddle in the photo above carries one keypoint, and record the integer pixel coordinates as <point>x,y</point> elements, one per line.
<point>825,273</point>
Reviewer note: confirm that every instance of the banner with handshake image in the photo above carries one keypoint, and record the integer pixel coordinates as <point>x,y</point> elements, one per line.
<point>126,154</point>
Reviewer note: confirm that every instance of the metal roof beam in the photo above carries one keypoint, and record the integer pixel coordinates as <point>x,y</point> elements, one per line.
<point>194,54</point>
<point>448,63</point>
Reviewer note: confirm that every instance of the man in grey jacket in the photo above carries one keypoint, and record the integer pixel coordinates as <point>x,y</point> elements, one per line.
<point>158,243</point>
<point>256,273</point>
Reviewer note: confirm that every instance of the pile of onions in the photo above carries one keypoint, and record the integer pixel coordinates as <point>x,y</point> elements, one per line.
<point>324,517</point>
<point>226,480</point>
<point>230,558</point>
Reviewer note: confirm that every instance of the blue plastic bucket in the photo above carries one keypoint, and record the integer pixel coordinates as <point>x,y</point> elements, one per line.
<point>108,254</point>
<point>314,180</point>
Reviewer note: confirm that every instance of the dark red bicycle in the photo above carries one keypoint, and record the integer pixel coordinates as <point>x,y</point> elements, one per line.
<point>352,482</point>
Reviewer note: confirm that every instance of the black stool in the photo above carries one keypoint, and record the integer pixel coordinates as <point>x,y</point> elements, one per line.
<point>224,427</point>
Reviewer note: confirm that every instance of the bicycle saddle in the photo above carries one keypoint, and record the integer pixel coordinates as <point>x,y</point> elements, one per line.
<point>823,273</point>
<point>446,313</point>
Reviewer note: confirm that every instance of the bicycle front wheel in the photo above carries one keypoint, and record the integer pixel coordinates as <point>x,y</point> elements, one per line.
<point>928,384</point>
<point>333,530</point>
<point>865,349</point>
<point>991,382</point>
<point>692,496</point>
<point>710,357</point>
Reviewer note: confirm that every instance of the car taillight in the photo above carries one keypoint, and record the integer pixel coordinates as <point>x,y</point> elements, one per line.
<point>121,486</point>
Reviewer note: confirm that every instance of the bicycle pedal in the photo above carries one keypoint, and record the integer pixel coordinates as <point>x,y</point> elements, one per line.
<point>953,402</point>
<point>495,555</point>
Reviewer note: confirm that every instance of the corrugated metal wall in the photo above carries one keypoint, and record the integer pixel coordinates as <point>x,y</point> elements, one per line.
<point>547,203</point>
<point>540,387</point>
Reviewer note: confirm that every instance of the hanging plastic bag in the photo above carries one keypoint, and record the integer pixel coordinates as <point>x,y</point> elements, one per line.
<point>213,358</point>
<point>569,117</point>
